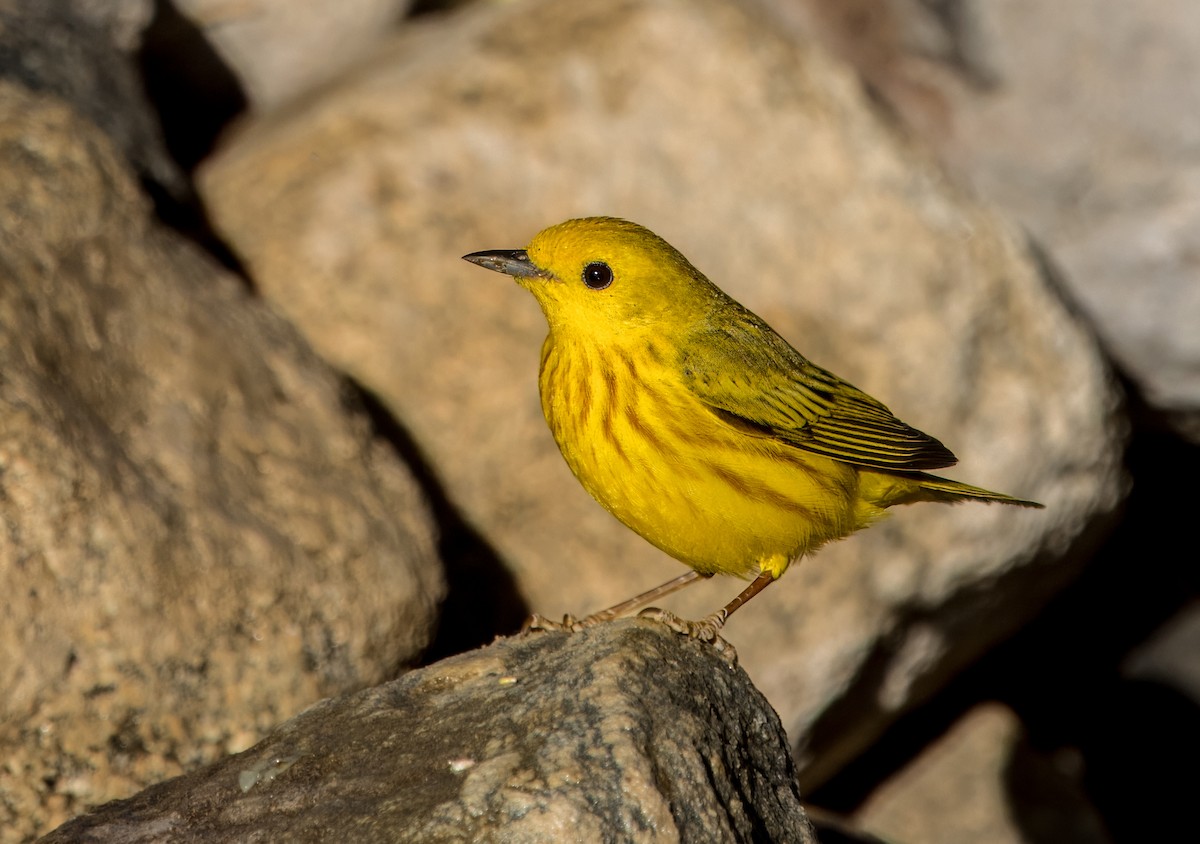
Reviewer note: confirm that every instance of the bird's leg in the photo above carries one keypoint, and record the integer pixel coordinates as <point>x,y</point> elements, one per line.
<point>708,629</point>
<point>570,623</point>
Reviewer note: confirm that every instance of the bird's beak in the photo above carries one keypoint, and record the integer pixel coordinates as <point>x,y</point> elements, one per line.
<point>514,262</point>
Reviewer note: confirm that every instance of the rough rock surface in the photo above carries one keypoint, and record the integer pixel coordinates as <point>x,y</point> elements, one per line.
<point>1081,120</point>
<point>626,732</point>
<point>199,534</point>
<point>763,161</point>
<point>79,51</point>
<point>1088,137</point>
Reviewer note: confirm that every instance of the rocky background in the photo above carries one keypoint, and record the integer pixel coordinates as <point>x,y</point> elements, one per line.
<point>265,440</point>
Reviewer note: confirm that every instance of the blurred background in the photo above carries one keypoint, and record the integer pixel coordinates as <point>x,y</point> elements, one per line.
<point>265,438</point>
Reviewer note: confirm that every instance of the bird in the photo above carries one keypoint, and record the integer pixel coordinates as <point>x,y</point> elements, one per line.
<point>698,426</point>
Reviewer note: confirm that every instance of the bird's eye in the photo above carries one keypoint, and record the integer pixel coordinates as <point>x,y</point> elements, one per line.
<point>597,275</point>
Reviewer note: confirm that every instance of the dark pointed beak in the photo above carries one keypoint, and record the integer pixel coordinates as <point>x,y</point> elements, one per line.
<point>514,262</point>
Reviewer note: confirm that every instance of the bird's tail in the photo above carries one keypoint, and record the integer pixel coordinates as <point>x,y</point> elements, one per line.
<point>907,487</point>
<point>943,489</point>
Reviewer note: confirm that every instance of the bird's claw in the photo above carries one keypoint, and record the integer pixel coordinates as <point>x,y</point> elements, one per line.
<point>707,629</point>
<point>569,624</point>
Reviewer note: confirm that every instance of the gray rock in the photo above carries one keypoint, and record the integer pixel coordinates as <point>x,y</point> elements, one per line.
<point>281,49</point>
<point>1081,120</point>
<point>626,732</point>
<point>984,782</point>
<point>1089,139</point>
<point>81,51</point>
<point>199,534</point>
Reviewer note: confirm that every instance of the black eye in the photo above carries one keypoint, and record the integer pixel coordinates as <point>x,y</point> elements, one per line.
<point>597,275</point>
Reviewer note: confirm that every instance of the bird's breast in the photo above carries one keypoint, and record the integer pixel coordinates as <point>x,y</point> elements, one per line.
<point>650,452</point>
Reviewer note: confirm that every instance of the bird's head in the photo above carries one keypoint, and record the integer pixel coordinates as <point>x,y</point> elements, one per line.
<point>604,276</point>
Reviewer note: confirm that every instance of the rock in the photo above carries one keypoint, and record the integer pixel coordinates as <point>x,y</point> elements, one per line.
<point>762,159</point>
<point>625,732</point>
<point>1171,656</point>
<point>983,782</point>
<point>201,536</point>
<point>1157,697</point>
<point>1081,121</point>
<point>281,49</point>
<point>81,51</point>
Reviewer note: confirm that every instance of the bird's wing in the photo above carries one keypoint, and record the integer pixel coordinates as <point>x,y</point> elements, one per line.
<point>752,379</point>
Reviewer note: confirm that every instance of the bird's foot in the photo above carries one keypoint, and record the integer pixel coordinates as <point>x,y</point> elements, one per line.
<point>569,624</point>
<point>707,629</point>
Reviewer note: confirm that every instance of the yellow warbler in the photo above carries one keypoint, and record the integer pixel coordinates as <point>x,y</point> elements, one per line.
<point>699,427</point>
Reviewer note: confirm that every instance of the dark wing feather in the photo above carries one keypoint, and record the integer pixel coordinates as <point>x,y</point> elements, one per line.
<point>752,379</point>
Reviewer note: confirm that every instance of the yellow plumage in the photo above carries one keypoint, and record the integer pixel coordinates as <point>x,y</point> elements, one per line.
<point>698,426</point>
